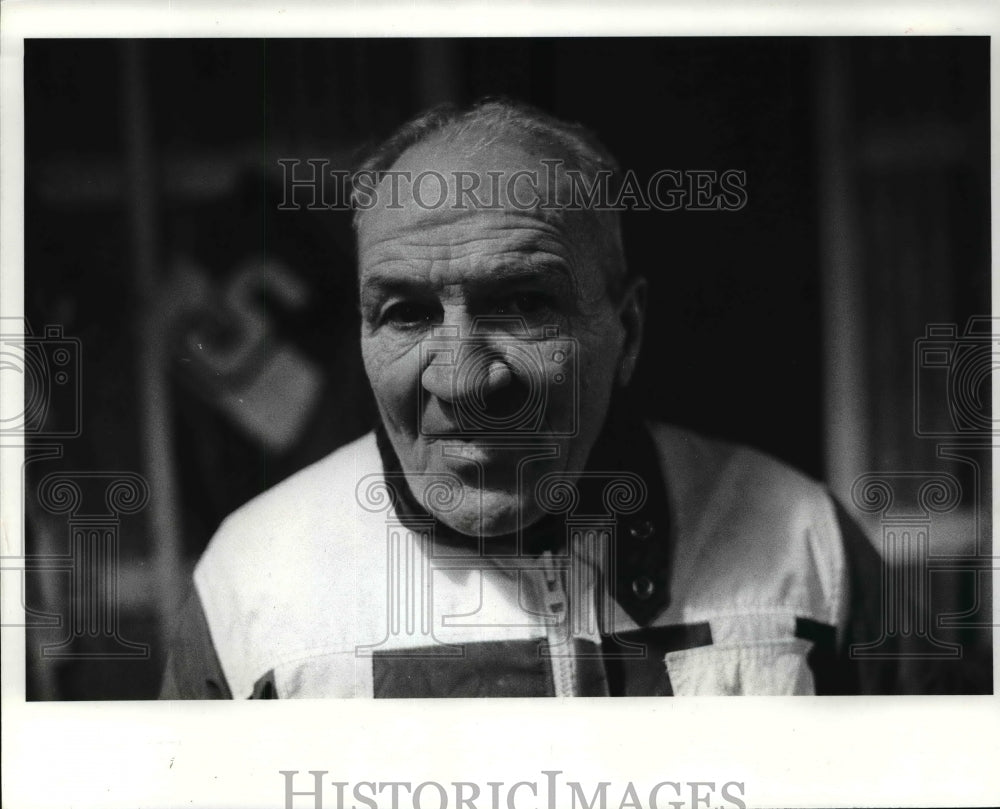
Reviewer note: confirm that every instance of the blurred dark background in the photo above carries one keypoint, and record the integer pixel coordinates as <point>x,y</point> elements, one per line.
<point>218,334</point>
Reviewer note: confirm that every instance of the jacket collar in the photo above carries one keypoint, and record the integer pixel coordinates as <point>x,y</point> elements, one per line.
<point>624,450</point>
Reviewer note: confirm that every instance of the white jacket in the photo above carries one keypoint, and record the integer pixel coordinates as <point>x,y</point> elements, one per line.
<point>731,576</point>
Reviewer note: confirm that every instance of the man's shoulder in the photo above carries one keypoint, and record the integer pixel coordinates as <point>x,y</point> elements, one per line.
<point>739,511</point>
<point>699,462</point>
<point>284,576</point>
<point>322,483</point>
<point>305,503</point>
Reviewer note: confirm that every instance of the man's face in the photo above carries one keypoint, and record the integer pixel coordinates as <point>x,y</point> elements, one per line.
<point>489,338</point>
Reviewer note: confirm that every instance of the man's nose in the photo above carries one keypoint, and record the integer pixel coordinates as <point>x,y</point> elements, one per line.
<point>474,378</point>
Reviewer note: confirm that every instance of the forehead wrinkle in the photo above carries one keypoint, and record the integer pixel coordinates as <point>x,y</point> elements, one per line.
<point>464,245</point>
<point>498,245</point>
<point>398,222</point>
<point>496,274</point>
<point>509,267</point>
<point>434,246</point>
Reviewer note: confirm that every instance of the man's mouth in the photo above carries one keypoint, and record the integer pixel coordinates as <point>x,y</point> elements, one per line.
<point>475,449</point>
<point>485,460</point>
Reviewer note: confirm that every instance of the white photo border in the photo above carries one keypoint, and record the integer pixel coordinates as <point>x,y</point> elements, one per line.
<point>787,752</point>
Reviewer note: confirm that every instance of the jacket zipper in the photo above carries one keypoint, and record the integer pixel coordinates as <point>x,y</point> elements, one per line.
<point>557,631</point>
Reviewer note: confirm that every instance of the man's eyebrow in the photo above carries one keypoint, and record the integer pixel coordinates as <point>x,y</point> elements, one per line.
<point>384,284</point>
<point>546,272</point>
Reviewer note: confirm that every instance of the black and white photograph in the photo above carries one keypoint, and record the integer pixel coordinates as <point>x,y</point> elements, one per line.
<point>407,367</point>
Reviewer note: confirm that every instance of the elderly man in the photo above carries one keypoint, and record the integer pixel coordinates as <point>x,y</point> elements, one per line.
<point>511,528</point>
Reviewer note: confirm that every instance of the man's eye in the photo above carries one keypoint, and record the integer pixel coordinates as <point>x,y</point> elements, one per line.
<point>408,313</point>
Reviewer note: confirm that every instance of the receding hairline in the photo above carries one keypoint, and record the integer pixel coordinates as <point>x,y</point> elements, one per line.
<point>484,125</point>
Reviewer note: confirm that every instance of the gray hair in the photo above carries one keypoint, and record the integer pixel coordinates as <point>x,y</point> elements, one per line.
<point>495,119</point>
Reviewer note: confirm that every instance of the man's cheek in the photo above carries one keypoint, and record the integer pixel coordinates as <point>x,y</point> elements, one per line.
<point>593,386</point>
<point>384,357</point>
<point>394,378</point>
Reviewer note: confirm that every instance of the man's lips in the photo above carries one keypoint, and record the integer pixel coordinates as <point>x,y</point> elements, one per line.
<point>487,458</point>
<point>475,449</point>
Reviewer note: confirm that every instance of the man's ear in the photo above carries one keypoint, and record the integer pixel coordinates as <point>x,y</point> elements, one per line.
<point>632,311</point>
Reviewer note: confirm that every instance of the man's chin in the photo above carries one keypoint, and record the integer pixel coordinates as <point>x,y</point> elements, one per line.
<point>489,514</point>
